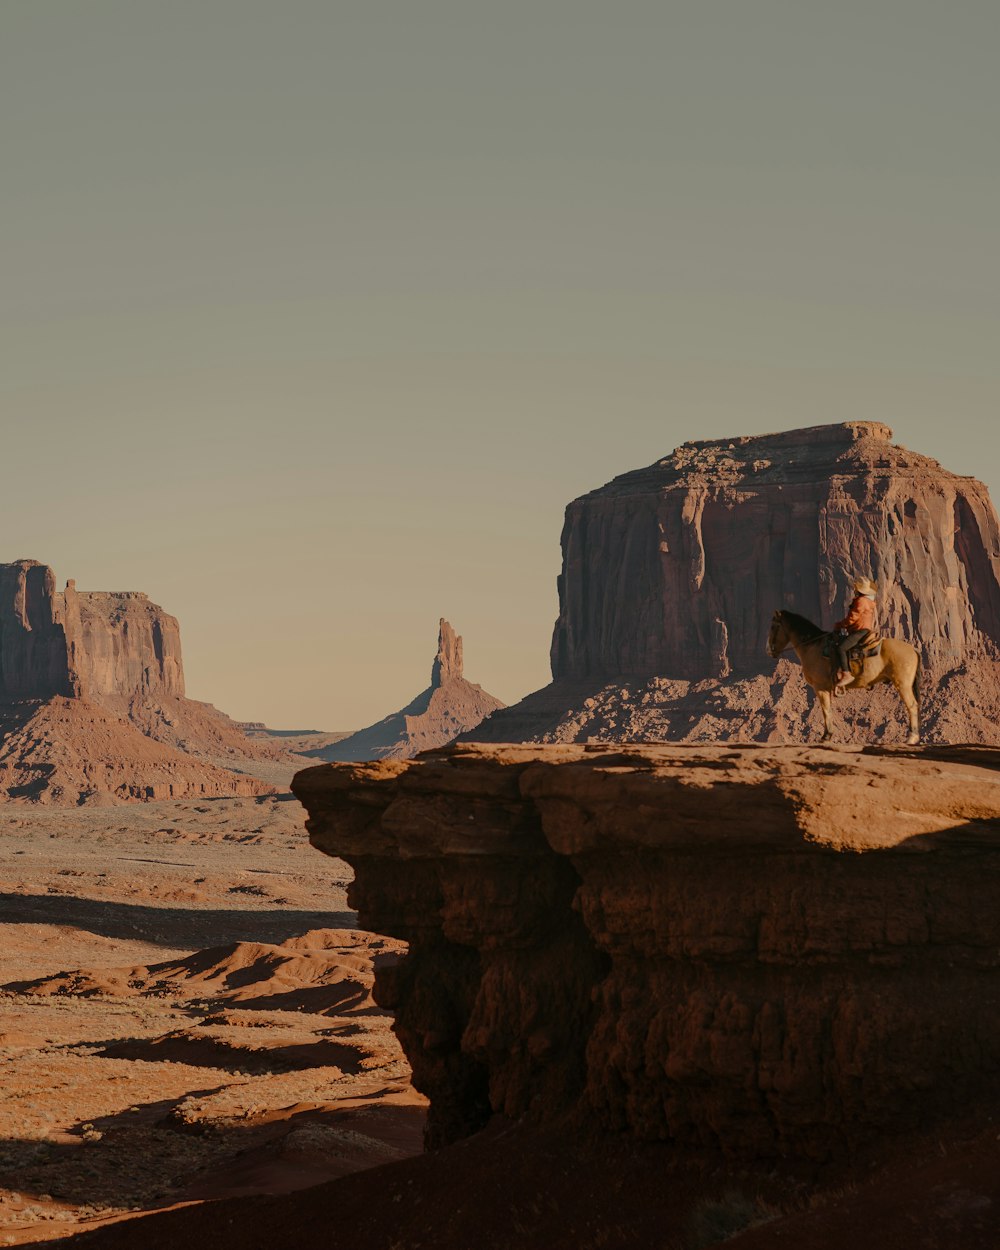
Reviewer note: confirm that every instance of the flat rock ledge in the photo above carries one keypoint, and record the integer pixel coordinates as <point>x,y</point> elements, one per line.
<point>765,950</point>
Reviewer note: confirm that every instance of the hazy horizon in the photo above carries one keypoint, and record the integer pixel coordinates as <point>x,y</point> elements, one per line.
<point>317,315</point>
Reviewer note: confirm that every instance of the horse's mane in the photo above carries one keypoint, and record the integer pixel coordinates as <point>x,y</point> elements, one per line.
<point>807,631</point>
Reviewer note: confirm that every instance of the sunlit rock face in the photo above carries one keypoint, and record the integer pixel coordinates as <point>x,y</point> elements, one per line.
<point>128,645</point>
<point>84,644</point>
<point>676,569</point>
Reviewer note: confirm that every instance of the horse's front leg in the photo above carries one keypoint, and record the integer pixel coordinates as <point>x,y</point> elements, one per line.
<point>826,706</point>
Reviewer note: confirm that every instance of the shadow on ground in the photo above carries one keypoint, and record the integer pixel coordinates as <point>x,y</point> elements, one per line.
<point>169,926</point>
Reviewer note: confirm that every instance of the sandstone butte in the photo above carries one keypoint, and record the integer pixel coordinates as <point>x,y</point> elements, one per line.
<point>448,707</point>
<point>671,574</point>
<point>768,952</point>
<point>92,701</point>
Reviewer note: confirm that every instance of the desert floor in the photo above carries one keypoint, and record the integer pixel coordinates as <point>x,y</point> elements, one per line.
<point>249,1058</point>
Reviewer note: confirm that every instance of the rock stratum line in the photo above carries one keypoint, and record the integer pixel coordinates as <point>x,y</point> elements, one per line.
<point>763,950</point>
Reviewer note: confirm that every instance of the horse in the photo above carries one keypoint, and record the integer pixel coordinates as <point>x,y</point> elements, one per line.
<point>897,662</point>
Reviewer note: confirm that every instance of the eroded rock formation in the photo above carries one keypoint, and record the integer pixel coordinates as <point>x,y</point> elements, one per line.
<point>764,950</point>
<point>84,643</point>
<point>673,572</point>
<point>676,569</point>
<point>128,646</point>
<point>92,701</point>
<point>448,707</point>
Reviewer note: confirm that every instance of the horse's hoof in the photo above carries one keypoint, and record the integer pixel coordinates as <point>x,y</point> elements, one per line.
<point>913,740</point>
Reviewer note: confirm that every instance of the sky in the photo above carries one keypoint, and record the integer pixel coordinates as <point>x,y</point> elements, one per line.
<point>315,314</point>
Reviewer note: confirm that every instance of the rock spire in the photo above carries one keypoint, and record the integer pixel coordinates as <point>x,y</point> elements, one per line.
<point>448,707</point>
<point>447,664</point>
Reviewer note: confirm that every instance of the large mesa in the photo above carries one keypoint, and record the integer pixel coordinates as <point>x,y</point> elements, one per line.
<point>671,574</point>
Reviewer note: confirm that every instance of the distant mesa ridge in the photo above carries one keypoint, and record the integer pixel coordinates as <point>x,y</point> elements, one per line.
<point>448,707</point>
<point>671,573</point>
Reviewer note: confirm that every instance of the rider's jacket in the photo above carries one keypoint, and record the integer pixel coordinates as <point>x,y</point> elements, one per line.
<point>860,615</point>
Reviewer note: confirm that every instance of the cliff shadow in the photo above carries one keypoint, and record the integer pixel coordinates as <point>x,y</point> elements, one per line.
<point>190,927</point>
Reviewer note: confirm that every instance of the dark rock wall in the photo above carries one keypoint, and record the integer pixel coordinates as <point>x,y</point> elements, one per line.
<point>768,951</point>
<point>34,654</point>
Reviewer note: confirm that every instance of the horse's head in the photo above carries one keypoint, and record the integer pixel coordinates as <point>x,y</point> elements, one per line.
<point>778,639</point>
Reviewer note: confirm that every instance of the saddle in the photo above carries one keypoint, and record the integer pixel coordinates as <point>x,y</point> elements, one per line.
<point>866,648</point>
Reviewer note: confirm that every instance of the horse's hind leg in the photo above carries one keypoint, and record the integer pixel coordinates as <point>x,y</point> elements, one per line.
<point>908,693</point>
<point>825,700</point>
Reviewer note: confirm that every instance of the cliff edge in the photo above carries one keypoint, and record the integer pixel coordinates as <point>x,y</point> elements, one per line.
<point>764,951</point>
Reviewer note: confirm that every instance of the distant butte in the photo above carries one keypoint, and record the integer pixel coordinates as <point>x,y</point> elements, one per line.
<point>449,706</point>
<point>92,701</point>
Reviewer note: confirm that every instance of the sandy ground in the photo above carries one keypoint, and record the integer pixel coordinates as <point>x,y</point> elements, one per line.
<point>156,1075</point>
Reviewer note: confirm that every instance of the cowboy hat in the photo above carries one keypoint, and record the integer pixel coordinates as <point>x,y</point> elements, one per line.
<point>864,586</point>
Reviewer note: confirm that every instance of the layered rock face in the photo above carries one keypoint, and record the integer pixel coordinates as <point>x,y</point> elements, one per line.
<point>769,951</point>
<point>671,575</point>
<point>677,569</point>
<point>448,707</point>
<point>87,644</point>
<point>74,752</point>
<point>127,646</point>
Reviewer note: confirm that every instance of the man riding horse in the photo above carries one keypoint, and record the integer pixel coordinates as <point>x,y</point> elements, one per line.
<point>893,660</point>
<point>861,619</point>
